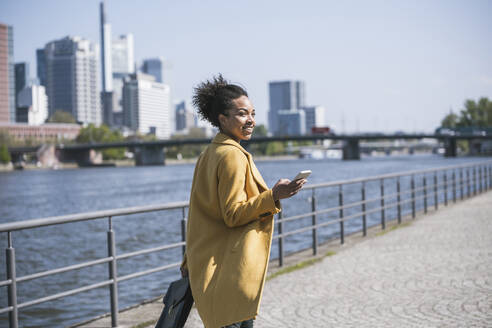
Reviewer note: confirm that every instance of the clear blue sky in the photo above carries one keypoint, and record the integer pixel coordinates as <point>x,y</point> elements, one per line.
<point>374,65</point>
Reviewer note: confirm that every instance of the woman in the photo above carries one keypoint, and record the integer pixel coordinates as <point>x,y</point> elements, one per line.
<point>230,220</point>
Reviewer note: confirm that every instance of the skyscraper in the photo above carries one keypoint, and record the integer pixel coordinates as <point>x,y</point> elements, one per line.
<point>284,95</point>
<point>21,78</point>
<point>72,79</point>
<point>123,64</point>
<point>108,99</point>
<point>184,116</point>
<point>32,102</point>
<point>154,67</point>
<point>291,122</point>
<point>7,74</point>
<point>106,60</point>
<point>41,66</point>
<point>123,56</point>
<point>146,105</point>
<point>315,117</point>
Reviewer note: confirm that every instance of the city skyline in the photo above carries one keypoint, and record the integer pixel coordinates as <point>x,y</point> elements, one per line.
<point>374,67</point>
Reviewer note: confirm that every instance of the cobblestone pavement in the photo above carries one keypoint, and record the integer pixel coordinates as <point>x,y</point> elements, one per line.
<point>436,272</point>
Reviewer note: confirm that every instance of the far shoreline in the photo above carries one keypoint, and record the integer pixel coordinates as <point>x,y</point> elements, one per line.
<point>130,163</point>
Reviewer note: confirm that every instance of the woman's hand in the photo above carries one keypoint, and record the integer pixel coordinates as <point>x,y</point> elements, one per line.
<point>285,188</point>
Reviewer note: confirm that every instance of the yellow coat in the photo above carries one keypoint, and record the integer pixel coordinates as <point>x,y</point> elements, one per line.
<point>229,234</point>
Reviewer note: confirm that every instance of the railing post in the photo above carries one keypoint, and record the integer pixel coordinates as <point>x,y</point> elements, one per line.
<point>445,176</point>
<point>468,187</point>
<point>412,182</point>
<point>315,234</point>
<point>364,218</point>
<point>425,193</point>
<point>486,177</point>
<point>436,195</point>
<point>398,189</point>
<point>454,186</point>
<point>340,203</point>
<point>461,183</point>
<point>183,230</point>
<point>12,288</point>
<point>480,178</point>
<point>280,240</point>
<point>490,176</point>
<point>383,217</point>
<point>474,180</point>
<point>113,287</point>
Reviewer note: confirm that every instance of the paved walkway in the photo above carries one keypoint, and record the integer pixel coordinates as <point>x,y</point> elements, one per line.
<point>435,272</point>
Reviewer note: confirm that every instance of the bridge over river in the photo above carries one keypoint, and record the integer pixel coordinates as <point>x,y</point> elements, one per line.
<point>152,152</point>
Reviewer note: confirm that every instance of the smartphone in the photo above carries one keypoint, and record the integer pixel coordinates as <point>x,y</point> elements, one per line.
<point>302,175</point>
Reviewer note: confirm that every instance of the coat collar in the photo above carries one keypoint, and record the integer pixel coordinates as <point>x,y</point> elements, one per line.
<point>222,138</point>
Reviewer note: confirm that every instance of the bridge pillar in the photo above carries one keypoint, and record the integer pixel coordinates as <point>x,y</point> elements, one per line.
<point>477,147</point>
<point>83,157</point>
<point>46,155</point>
<point>17,157</point>
<point>450,147</point>
<point>351,149</point>
<point>149,155</point>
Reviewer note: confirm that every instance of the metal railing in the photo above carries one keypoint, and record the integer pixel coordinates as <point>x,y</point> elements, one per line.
<point>478,179</point>
<point>472,179</point>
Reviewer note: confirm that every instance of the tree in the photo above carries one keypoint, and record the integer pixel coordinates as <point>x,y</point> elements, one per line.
<point>61,116</point>
<point>5,138</point>
<point>259,148</point>
<point>91,133</point>
<point>260,131</point>
<point>450,121</point>
<point>188,151</point>
<point>476,114</point>
<point>4,154</point>
<point>275,148</point>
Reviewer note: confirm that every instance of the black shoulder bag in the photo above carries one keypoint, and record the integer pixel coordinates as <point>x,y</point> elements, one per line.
<point>177,305</point>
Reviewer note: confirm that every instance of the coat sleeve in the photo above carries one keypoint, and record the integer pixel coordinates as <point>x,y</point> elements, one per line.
<point>184,263</point>
<point>236,208</point>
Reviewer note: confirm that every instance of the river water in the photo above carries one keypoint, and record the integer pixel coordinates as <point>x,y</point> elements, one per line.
<point>42,193</point>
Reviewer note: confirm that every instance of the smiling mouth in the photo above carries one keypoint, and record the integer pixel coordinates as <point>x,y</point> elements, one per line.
<point>248,129</point>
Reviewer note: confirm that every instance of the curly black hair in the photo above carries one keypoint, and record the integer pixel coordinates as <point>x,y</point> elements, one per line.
<point>215,97</point>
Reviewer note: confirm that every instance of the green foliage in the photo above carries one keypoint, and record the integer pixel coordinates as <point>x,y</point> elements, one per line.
<point>450,121</point>
<point>259,148</point>
<point>275,148</point>
<point>475,114</point>
<point>61,116</point>
<point>300,265</point>
<point>93,134</point>
<point>260,131</point>
<point>5,138</point>
<point>146,324</point>
<point>187,151</point>
<point>4,154</point>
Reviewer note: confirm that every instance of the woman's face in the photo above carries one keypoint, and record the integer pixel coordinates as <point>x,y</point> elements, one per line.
<point>239,121</point>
